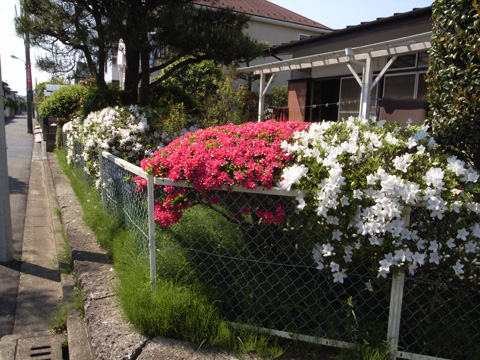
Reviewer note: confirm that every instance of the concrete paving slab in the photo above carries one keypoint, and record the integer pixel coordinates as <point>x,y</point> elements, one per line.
<point>41,347</point>
<point>39,302</point>
<point>8,347</point>
<point>10,275</point>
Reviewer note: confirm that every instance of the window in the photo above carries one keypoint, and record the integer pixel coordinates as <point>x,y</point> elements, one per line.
<point>422,86</point>
<point>399,86</point>
<point>408,85</point>
<point>404,62</point>
<point>349,98</point>
<point>350,92</point>
<point>324,100</point>
<point>303,36</point>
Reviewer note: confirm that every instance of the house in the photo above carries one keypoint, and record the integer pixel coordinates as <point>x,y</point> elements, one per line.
<point>349,71</point>
<point>268,23</point>
<point>9,94</point>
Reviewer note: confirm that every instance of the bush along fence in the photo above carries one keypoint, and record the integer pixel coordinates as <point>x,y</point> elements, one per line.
<point>260,255</point>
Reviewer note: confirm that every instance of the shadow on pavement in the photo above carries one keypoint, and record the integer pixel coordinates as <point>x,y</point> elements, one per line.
<point>16,186</point>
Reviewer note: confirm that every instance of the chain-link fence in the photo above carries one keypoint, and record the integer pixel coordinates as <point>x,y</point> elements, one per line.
<point>263,275</point>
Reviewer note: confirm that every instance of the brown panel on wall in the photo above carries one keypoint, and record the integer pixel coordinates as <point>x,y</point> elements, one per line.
<point>297,99</point>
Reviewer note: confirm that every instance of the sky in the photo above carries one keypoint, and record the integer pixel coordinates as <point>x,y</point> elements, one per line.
<point>336,14</point>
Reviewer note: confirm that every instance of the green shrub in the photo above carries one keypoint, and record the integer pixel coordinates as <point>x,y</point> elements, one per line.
<point>10,103</point>
<point>39,93</point>
<point>95,99</point>
<point>454,78</point>
<point>277,97</point>
<point>63,103</point>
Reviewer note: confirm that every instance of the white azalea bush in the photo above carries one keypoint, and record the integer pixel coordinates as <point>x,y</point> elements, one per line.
<point>126,132</point>
<point>387,197</point>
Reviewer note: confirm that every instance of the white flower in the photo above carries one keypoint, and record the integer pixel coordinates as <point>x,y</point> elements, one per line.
<point>435,258</point>
<point>421,134</point>
<point>334,267</point>
<point>375,240</point>
<point>318,255</point>
<point>391,139</point>
<point>434,177</point>
<point>327,250</point>
<point>301,201</point>
<point>455,165</point>
<point>421,150</point>
<point>339,276</point>
<point>476,230</point>
<point>292,175</point>
<point>357,194</point>
<point>333,220</point>
<point>401,163</point>
<point>433,246</point>
<point>412,268</point>
<point>470,247</point>
<point>402,255</point>
<point>458,268</point>
<point>421,244</point>
<point>451,243</point>
<point>462,234</point>
<point>337,235</point>
<point>411,143</point>
<point>419,258</point>
<point>344,201</point>
<point>470,176</point>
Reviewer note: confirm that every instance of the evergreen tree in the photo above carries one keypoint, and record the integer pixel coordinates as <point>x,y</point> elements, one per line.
<point>454,77</point>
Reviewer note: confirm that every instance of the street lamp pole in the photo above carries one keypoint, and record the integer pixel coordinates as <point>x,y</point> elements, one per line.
<point>28,69</point>
<point>6,241</point>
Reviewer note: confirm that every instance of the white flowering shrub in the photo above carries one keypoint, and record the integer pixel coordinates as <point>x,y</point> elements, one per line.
<point>126,132</point>
<point>387,197</point>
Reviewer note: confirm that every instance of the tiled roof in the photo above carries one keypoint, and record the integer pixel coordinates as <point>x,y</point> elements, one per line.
<point>265,9</point>
<point>413,16</point>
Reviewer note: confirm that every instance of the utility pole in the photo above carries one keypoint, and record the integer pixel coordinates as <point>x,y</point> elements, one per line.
<point>6,242</point>
<point>28,66</point>
<point>28,70</point>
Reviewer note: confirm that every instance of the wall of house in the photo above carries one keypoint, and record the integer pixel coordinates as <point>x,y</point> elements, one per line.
<point>297,99</point>
<point>275,34</point>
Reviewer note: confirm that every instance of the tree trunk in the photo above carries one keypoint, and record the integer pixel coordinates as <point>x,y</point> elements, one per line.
<point>145,74</point>
<point>131,74</point>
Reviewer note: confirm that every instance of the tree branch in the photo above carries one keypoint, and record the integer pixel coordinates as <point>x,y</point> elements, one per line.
<point>189,61</point>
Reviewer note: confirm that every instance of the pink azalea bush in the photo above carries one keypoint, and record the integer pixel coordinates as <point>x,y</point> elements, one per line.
<point>247,155</point>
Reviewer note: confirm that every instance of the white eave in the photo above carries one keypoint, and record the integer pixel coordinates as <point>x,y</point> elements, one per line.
<point>289,24</point>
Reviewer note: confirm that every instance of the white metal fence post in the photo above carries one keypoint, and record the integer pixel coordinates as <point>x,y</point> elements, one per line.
<point>151,231</point>
<point>394,316</point>
<point>102,180</point>
<point>396,298</point>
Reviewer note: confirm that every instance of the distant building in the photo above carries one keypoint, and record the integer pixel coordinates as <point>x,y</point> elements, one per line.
<point>9,94</point>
